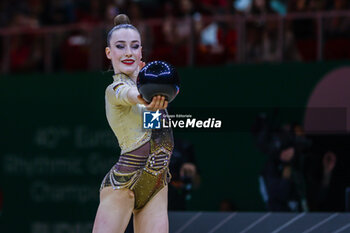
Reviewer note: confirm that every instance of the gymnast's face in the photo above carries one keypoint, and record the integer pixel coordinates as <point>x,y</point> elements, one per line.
<point>125,51</point>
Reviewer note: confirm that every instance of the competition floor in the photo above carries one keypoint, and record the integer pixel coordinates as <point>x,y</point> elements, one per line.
<point>214,222</point>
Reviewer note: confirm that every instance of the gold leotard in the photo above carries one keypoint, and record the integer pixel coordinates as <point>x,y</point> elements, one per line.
<point>144,174</point>
<point>145,169</point>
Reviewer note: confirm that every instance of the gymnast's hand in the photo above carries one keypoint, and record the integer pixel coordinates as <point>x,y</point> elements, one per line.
<point>136,72</point>
<point>158,103</point>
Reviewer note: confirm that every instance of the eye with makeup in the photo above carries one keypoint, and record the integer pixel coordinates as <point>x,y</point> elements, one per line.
<point>135,46</point>
<point>119,46</point>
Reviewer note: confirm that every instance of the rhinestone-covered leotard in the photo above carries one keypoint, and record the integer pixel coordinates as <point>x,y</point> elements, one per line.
<point>145,170</point>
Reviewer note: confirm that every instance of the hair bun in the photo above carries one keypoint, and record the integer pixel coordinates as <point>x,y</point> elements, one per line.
<point>121,19</point>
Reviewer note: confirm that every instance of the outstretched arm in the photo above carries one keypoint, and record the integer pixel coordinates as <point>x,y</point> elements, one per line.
<point>158,102</point>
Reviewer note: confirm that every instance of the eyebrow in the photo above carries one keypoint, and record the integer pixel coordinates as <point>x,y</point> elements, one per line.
<point>123,41</point>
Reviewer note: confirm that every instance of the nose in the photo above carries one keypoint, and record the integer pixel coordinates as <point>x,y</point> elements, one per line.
<point>128,51</point>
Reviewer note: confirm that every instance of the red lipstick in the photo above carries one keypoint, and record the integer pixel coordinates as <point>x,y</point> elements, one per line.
<point>128,61</point>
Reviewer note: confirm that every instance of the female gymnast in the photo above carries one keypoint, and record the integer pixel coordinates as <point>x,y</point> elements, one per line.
<point>137,183</point>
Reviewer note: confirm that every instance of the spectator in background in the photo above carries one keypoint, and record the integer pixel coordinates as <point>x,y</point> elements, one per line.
<point>261,43</point>
<point>211,44</point>
<point>284,192</point>
<point>279,6</point>
<point>253,49</point>
<point>183,29</point>
<point>77,46</point>
<point>177,32</point>
<point>26,53</point>
<point>214,7</point>
<point>338,26</point>
<point>216,39</point>
<point>230,42</point>
<point>291,179</point>
<point>297,5</point>
<point>164,34</point>
<point>183,25</point>
<point>317,5</point>
<point>35,10</point>
<point>260,7</point>
<point>22,20</point>
<point>5,7</point>
<point>57,12</point>
<point>270,42</point>
<point>337,33</point>
<point>185,176</point>
<point>304,30</point>
<point>90,12</point>
<point>271,45</point>
<point>319,170</point>
<point>75,51</point>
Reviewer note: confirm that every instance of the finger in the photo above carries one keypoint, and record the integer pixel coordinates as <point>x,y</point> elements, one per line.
<point>142,64</point>
<point>161,103</point>
<point>151,105</point>
<point>156,103</point>
<point>165,104</point>
<point>157,106</point>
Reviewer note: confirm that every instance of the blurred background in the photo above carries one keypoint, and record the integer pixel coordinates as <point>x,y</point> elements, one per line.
<point>278,69</point>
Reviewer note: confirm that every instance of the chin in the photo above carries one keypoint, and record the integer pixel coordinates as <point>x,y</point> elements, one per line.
<point>129,71</point>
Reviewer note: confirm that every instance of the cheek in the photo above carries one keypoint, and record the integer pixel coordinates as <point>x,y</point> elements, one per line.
<point>138,55</point>
<point>116,54</point>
